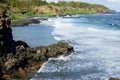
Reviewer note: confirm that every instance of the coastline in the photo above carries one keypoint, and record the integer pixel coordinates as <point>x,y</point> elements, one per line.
<point>20,58</point>
<point>28,20</point>
<point>16,66</point>
<point>36,68</point>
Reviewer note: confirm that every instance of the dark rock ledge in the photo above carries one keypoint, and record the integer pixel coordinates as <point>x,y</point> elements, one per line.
<point>15,65</point>
<point>114,78</point>
<point>27,21</point>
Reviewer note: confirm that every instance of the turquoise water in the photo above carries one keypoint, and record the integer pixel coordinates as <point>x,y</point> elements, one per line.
<point>95,38</point>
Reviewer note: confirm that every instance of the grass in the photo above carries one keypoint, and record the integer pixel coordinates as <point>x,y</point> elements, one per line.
<point>18,16</point>
<point>71,12</point>
<point>46,14</point>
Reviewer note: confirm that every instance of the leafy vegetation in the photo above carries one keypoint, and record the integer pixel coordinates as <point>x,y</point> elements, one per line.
<point>22,8</point>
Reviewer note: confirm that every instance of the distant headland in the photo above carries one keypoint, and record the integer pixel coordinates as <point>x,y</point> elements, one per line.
<point>42,8</point>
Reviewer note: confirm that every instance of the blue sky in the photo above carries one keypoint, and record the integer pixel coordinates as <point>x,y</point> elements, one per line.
<point>112,4</point>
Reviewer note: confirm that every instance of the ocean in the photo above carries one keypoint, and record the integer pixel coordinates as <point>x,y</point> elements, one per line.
<point>96,41</point>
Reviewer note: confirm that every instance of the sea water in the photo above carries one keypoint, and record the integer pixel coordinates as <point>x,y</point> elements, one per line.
<point>34,34</point>
<point>96,41</point>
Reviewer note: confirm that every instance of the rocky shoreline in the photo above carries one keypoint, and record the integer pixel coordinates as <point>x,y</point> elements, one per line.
<point>28,20</point>
<point>31,58</point>
<point>17,58</point>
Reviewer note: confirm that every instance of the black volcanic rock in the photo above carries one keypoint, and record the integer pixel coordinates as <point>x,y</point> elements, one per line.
<point>30,57</point>
<point>25,22</point>
<point>7,44</point>
<point>21,44</point>
<point>114,78</point>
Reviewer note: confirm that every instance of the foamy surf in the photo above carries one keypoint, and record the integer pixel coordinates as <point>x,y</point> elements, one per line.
<point>94,29</point>
<point>62,57</point>
<point>96,47</point>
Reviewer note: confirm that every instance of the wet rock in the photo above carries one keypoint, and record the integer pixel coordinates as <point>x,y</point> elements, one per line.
<point>114,79</point>
<point>60,48</point>
<point>25,22</point>
<point>21,73</point>
<point>31,58</point>
<point>40,53</point>
<point>21,45</point>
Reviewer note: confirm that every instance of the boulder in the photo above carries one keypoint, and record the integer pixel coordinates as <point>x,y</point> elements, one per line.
<point>60,48</point>
<point>114,79</point>
<point>21,45</point>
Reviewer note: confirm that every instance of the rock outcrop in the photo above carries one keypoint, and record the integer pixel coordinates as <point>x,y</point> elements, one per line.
<point>27,21</point>
<point>7,44</point>
<point>17,57</point>
<point>24,56</point>
<point>31,58</point>
<point>114,79</point>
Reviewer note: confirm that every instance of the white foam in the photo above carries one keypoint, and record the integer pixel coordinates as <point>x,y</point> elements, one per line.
<point>94,29</point>
<point>60,58</point>
<point>57,38</point>
<point>67,16</point>
<point>75,15</point>
<point>64,28</point>
<point>42,67</point>
<point>50,19</point>
<point>98,49</point>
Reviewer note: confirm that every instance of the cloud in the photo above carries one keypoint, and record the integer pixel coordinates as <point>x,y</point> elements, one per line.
<point>113,0</point>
